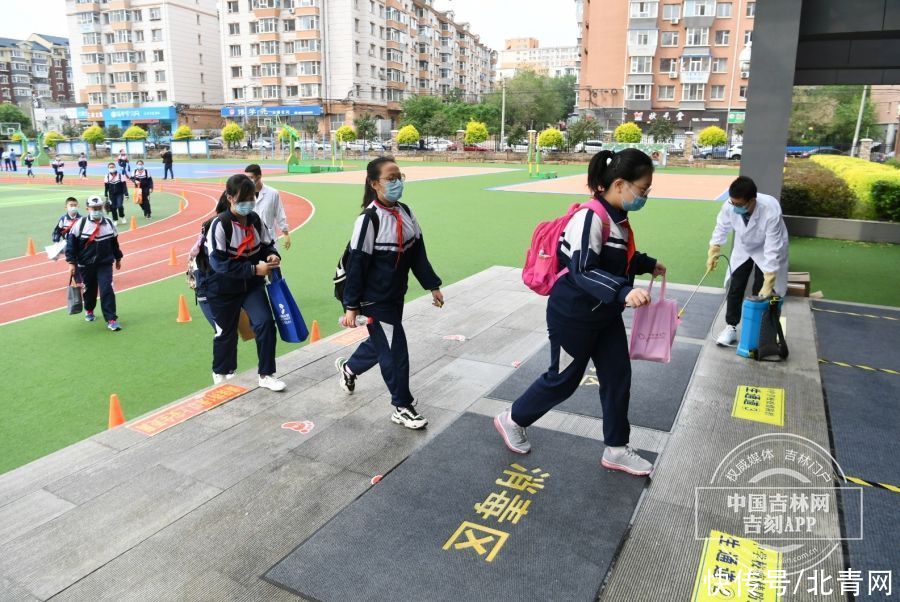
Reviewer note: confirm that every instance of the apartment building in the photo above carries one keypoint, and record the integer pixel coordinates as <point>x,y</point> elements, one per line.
<point>35,68</point>
<point>132,59</point>
<point>687,60</point>
<point>526,53</point>
<point>333,60</point>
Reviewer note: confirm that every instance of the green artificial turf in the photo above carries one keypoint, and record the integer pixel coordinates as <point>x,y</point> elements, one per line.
<point>32,211</point>
<point>61,370</point>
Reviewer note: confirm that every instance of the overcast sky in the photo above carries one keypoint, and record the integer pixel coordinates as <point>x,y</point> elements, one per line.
<point>550,21</point>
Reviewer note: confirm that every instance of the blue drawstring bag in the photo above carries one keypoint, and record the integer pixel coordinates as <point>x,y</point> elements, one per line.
<point>288,318</point>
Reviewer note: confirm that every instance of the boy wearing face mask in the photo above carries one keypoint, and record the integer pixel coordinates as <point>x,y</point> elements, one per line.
<point>141,178</point>
<point>386,244</point>
<point>92,248</point>
<point>68,219</point>
<point>115,188</point>
<point>760,248</point>
<point>57,165</point>
<point>82,167</point>
<point>28,160</point>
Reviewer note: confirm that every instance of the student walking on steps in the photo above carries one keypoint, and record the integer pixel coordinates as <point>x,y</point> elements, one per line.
<point>92,247</point>
<point>115,187</point>
<point>241,252</point>
<point>386,244</point>
<point>584,310</point>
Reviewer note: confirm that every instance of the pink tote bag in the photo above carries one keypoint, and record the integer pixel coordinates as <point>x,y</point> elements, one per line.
<point>653,328</point>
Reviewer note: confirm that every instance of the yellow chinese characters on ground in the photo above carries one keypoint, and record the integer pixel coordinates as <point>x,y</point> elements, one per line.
<point>761,404</point>
<point>737,569</point>
<point>509,505</point>
<point>178,413</point>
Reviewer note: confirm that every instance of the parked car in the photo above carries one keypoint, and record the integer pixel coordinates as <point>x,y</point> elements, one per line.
<point>438,144</point>
<point>824,150</point>
<point>710,152</point>
<point>103,146</point>
<point>734,152</point>
<point>412,147</point>
<point>258,144</point>
<point>364,146</point>
<point>468,148</point>
<point>216,143</point>
<point>589,146</point>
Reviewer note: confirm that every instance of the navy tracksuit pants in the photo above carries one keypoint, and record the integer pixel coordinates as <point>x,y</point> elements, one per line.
<point>117,201</point>
<point>99,277</point>
<point>606,344</point>
<point>227,311</point>
<point>386,346</point>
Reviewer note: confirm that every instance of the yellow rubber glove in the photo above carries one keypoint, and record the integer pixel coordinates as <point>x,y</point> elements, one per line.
<point>712,258</point>
<point>768,285</point>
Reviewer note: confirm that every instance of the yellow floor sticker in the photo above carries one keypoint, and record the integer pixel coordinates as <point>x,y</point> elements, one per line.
<point>761,404</point>
<point>736,569</point>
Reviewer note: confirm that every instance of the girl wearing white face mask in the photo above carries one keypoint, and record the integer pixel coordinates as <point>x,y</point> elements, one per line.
<point>386,244</point>
<point>241,252</point>
<point>584,311</point>
<point>143,181</point>
<point>115,188</point>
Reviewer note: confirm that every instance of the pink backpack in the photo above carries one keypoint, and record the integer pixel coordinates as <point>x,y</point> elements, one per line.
<point>541,269</point>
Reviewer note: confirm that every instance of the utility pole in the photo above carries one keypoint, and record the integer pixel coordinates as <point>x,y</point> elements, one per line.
<point>502,110</point>
<point>862,106</point>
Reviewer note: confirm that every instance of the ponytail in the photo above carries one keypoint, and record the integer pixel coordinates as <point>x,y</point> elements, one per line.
<point>607,166</point>
<point>373,172</point>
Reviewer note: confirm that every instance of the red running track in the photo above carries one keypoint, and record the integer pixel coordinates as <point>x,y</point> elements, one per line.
<point>31,286</point>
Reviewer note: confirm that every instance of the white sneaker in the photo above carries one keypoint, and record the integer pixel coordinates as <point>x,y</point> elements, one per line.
<point>728,338</point>
<point>408,416</point>
<point>218,379</point>
<point>625,459</point>
<point>271,383</point>
<point>514,436</point>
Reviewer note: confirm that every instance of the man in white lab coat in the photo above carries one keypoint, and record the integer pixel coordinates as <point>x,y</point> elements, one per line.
<point>269,206</point>
<point>760,248</point>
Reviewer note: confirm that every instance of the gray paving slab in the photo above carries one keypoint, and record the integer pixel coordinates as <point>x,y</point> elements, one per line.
<point>29,512</point>
<point>55,555</point>
<point>31,477</point>
<point>501,346</point>
<point>13,592</point>
<point>461,383</point>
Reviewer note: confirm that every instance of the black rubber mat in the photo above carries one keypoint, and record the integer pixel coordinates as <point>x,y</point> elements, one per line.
<point>878,549</point>
<point>399,540</point>
<point>656,389</point>
<point>867,311</point>
<point>857,339</point>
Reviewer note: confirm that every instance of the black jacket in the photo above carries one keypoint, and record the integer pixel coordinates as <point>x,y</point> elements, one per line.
<point>93,242</point>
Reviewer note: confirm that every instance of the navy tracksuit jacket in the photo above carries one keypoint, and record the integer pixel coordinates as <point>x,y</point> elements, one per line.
<point>94,246</point>
<point>377,281</point>
<point>584,322</point>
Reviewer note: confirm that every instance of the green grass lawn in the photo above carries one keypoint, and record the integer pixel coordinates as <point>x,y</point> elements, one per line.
<point>32,211</point>
<point>61,370</point>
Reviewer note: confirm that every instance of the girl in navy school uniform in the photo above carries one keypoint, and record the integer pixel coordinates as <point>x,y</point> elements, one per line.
<point>68,219</point>
<point>201,259</point>
<point>124,163</point>
<point>115,188</point>
<point>584,311</point>
<point>82,166</point>
<point>28,160</point>
<point>241,252</point>
<point>377,280</point>
<point>57,165</point>
<point>141,178</point>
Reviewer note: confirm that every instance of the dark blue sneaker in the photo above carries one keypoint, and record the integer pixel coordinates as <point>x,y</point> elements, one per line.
<point>88,316</point>
<point>113,325</point>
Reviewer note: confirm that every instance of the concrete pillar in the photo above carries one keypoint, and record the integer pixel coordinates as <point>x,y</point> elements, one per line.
<point>775,34</point>
<point>460,140</point>
<point>689,145</point>
<point>607,136</point>
<point>394,145</point>
<point>865,149</point>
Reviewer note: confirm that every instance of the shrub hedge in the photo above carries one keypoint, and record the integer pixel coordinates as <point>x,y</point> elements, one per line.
<point>862,176</point>
<point>811,190</point>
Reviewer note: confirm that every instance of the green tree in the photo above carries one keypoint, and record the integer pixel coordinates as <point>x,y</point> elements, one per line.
<point>535,101</point>
<point>454,95</point>
<point>52,137</point>
<point>711,136</point>
<point>627,132</point>
<point>12,113</point>
<point>662,129</point>
<point>183,133</point>
<point>135,132</point>
<point>582,130</point>
<point>419,110</point>
<point>70,130</point>
<point>345,133</point>
<point>550,138</point>
<point>565,86</point>
<point>516,135</point>
<point>159,131</point>
<point>113,131</point>
<point>366,128</point>
<point>827,115</point>
<point>439,125</point>
<point>488,114</point>
<point>232,133</point>
<point>476,132</point>
<point>93,135</point>
<point>408,134</point>
<point>310,127</point>
<point>458,114</point>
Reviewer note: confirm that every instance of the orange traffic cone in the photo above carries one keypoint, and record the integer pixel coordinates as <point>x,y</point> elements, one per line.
<point>133,224</point>
<point>173,259</point>
<point>30,252</point>
<point>314,335</point>
<point>116,417</point>
<point>183,314</point>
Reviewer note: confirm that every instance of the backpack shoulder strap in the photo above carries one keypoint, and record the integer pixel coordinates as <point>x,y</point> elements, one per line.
<point>227,227</point>
<point>597,207</point>
<point>372,212</point>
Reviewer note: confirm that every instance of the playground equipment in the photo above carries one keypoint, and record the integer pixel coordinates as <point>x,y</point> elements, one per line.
<point>40,157</point>
<point>534,159</point>
<point>302,159</point>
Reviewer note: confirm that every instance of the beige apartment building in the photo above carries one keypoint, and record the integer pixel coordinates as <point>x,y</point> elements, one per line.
<point>527,53</point>
<point>688,60</point>
<point>333,60</point>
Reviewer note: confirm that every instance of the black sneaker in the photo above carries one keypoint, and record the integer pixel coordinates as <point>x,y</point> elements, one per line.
<point>347,380</point>
<point>408,417</point>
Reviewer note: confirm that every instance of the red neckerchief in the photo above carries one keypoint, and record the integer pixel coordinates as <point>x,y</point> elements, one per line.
<point>631,245</point>
<point>395,211</point>
<point>249,237</point>
<point>65,230</point>
<point>96,231</point>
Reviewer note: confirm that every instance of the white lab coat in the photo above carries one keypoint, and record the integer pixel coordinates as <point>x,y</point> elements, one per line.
<point>764,239</point>
<point>270,209</point>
